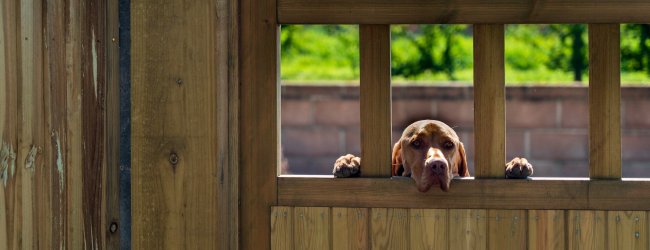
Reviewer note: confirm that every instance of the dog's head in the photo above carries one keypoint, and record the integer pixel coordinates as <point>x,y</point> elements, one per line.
<point>431,153</point>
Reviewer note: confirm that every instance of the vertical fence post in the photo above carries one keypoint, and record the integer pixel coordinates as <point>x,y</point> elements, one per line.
<point>375,100</point>
<point>604,102</point>
<point>489,101</point>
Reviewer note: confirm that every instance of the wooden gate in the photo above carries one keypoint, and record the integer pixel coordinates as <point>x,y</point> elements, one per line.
<point>375,211</point>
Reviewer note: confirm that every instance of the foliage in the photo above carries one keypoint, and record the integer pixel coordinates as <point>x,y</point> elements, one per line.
<point>534,54</point>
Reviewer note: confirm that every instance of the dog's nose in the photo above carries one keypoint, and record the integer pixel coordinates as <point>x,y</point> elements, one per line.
<point>437,165</point>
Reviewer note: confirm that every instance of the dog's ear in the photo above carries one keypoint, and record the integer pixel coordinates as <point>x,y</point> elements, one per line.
<point>397,163</point>
<point>463,170</point>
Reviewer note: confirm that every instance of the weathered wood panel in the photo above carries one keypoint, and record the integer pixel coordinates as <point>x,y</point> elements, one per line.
<point>180,75</point>
<point>429,228</point>
<point>312,228</point>
<point>389,228</point>
<point>350,228</point>
<point>604,101</point>
<point>375,100</point>
<point>507,229</point>
<point>546,229</point>
<point>466,193</point>
<point>586,229</point>
<point>468,229</point>
<point>627,230</point>
<point>462,11</point>
<point>282,228</point>
<point>259,110</point>
<point>489,101</point>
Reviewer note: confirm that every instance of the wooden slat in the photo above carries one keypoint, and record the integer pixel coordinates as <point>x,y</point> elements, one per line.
<point>466,193</point>
<point>468,229</point>
<point>546,229</point>
<point>112,125</point>
<point>461,11</point>
<point>350,228</point>
<point>177,138</point>
<point>586,229</point>
<point>258,116</point>
<point>389,228</point>
<point>281,228</point>
<point>489,101</point>
<point>429,228</point>
<point>374,43</point>
<point>312,228</point>
<point>627,230</point>
<point>8,121</point>
<point>507,229</point>
<point>604,102</point>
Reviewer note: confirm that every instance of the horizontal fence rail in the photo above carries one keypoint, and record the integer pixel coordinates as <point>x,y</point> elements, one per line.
<point>461,11</point>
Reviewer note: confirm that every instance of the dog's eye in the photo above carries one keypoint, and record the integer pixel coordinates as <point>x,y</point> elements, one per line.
<point>448,145</point>
<point>416,144</point>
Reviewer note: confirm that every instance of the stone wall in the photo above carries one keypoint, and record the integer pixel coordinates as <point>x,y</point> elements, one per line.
<point>547,125</point>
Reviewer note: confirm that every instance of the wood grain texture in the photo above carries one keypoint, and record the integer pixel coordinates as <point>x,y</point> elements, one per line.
<point>466,193</point>
<point>282,228</point>
<point>429,229</point>
<point>350,228</point>
<point>627,230</point>
<point>259,96</point>
<point>546,229</point>
<point>507,229</point>
<point>468,229</point>
<point>461,11</point>
<point>312,228</point>
<point>604,101</point>
<point>489,101</point>
<point>586,229</point>
<point>389,228</point>
<point>178,99</point>
<point>374,43</point>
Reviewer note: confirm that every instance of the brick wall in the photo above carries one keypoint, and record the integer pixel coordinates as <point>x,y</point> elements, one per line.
<point>547,125</point>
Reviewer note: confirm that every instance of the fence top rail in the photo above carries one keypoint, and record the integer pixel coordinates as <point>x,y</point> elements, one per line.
<point>461,11</point>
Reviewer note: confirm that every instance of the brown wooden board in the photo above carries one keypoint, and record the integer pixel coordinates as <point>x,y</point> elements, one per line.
<point>604,101</point>
<point>489,101</point>
<point>462,11</point>
<point>586,229</point>
<point>350,228</point>
<point>466,193</point>
<point>546,229</point>
<point>468,229</point>
<point>429,228</point>
<point>507,229</point>
<point>311,228</point>
<point>281,228</point>
<point>375,100</point>
<point>627,230</point>
<point>389,228</point>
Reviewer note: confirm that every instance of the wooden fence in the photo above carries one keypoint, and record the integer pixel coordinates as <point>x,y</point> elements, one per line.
<point>205,112</point>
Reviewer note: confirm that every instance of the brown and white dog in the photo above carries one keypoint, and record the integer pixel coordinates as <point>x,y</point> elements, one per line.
<point>431,153</point>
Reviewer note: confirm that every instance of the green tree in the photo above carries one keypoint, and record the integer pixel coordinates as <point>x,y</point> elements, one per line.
<point>571,52</point>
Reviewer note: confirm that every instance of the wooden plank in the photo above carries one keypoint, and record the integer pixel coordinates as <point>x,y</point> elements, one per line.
<point>281,228</point>
<point>112,125</point>
<point>586,229</point>
<point>489,101</point>
<point>468,229</point>
<point>461,11</point>
<point>176,138</point>
<point>389,228</point>
<point>350,228</point>
<point>627,230</point>
<point>546,229</point>
<point>507,229</point>
<point>312,228</point>
<point>8,121</point>
<point>374,43</point>
<point>466,193</point>
<point>604,101</point>
<point>429,228</point>
<point>259,97</point>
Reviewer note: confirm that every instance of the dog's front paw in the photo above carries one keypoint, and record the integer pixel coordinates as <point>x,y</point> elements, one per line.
<point>347,166</point>
<point>518,168</point>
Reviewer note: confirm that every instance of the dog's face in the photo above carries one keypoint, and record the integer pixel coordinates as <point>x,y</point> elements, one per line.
<point>431,153</point>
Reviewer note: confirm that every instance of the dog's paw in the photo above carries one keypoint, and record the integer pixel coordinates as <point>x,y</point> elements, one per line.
<point>347,166</point>
<point>518,168</point>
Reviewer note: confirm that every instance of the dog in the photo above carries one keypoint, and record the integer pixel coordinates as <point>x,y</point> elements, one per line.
<point>431,153</point>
